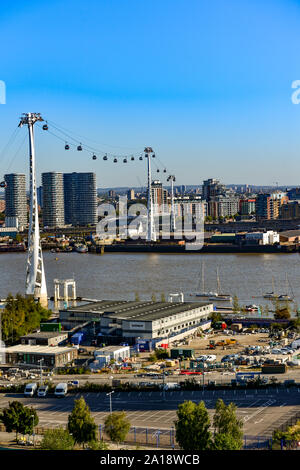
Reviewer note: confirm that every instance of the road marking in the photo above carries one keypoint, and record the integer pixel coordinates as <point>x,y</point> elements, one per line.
<point>259,421</point>
<point>262,408</point>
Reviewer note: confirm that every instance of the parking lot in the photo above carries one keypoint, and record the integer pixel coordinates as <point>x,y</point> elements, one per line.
<point>261,410</point>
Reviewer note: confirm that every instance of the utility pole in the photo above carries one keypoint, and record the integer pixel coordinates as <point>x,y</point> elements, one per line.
<point>35,274</point>
<point>151,235</point>
<point>173,226</point>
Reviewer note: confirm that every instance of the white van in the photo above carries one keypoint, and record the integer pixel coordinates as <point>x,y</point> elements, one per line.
<point>61,390</point>
<point>30,390</point>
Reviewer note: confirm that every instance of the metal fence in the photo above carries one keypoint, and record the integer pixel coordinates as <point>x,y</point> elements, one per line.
<point>165,438</point>
<point>148,436</point>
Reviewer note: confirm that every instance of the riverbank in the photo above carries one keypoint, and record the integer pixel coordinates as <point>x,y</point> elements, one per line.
<point>207,248</point>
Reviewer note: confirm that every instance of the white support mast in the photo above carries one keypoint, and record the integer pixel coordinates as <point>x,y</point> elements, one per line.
<point>151,235</point>
<point>35,274</point>
<point>173,225</point>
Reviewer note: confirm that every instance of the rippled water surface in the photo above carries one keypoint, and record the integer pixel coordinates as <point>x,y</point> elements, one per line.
<point>122,275</point>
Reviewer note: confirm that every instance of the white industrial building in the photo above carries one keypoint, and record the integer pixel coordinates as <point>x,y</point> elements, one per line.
<point>263,238</point>
<point>143,320</point>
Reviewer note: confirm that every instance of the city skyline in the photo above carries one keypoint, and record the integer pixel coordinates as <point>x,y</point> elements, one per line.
<point>204,88</point>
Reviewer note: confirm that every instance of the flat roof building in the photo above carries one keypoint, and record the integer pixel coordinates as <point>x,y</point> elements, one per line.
<point>145,319</point>
<point>46,338</point>
<point>54,356</point>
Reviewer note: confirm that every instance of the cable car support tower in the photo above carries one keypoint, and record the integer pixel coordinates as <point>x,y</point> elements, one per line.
<point>151,234</point>
<point>35,274</point>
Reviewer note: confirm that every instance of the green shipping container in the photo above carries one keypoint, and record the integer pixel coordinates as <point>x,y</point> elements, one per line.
<point>50,327</point>
<point>176,353</point>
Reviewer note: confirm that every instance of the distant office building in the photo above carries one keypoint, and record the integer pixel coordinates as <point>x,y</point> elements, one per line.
<point>247,206</point>
<point>131,195</point>
<point>293,194</point>
<point>189,205</point>
<point>15,198</point>
<point>112,193</point>
<point>80,196</point>
<point>53,199</point>
<point>291,210</point>
<point>223,206</point>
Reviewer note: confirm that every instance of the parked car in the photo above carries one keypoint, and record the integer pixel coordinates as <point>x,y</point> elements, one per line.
<point>42,391</point>
<point>61,390</point>
<point>30,390</point>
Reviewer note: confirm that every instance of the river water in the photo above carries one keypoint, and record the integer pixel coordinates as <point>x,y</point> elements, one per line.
<point>121,275</point>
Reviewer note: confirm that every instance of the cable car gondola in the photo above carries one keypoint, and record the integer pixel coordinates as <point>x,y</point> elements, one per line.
<point>132,158</point>
<point>165,171</point>
<point>140,158</point>
<point>79,148</point>
<point>3,184</point>
<point>105,157</point>
<point>153,156</point>
<point>115,160</point>
<point>94,157</point>
<point>157,170</point>
<point>125,160</point>
<point>45,127</point>
<point>67,147</point>
<point>146,155</point>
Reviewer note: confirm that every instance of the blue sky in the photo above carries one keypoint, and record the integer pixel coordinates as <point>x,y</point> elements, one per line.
<point>206,84</point>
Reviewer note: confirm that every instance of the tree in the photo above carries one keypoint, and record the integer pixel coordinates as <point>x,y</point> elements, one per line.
<point>57,439</point>
<point>81,424</point>
<point>283,313</point>
<point>228,433</point>
<point>20,316</point>
<point>117,426</point>
<point>19,418</point>
<point>192,426</point>
<point>98,445</point>
<point>235,305</point>
<point>215,317</point>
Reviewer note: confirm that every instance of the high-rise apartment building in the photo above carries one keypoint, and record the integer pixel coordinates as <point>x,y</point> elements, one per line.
<point>159,198</point>
<point>80,198</point>
<point>15,198</point>
<point>53,199</point>
<point>268,205</point>
<point>212,188</point>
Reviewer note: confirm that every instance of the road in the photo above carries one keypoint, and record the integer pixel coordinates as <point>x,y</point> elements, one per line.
<point>261,410</point>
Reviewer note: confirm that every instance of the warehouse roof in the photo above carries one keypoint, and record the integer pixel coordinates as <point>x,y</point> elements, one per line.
<point>37,349</point>
<point>44,334</point>
<point>144,310</point>
<point>290,233</point>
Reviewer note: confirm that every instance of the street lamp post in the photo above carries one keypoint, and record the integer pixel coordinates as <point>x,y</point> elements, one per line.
<point>110,401</point>
<point>32,416</point>
<point>41,370</point>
